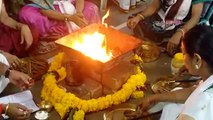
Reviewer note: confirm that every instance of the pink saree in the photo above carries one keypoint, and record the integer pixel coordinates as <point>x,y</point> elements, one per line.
<point>10,39</point>
<point>46,27</point>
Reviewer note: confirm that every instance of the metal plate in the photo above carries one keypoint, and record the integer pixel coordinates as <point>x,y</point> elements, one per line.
<point>163,86</point>
<point>167,83</point>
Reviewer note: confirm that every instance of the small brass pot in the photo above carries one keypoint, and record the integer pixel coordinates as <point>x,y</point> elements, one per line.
<point>45,105</point>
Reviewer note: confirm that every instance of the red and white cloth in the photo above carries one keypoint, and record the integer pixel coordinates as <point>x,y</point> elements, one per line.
<point>172,13</point>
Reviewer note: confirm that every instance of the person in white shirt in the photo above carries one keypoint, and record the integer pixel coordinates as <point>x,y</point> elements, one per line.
<point>23,81</point>
<point>197,101</point>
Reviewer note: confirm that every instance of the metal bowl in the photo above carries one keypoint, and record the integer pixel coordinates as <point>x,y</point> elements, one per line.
<point>117,113</point>
<point>45,105</point>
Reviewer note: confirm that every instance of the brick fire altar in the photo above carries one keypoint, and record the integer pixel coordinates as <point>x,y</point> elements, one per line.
<point>80,80</point>
<point>98,77</point>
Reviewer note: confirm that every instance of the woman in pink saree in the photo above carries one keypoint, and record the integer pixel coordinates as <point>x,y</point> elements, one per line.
<point>57,17</point>
<point>15,38</point>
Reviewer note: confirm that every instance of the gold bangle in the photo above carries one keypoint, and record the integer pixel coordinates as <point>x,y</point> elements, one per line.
<point>66,17</point>
<point>6,108</point>
<point>141,16</point>
<point>182,31</point>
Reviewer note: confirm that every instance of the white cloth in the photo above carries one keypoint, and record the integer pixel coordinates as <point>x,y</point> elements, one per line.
<point>3,81</point>
<point>181,14</point>
<point>171,111</point>
<point>199,105</point>
<point>125,4</point>
<point>67,7</point>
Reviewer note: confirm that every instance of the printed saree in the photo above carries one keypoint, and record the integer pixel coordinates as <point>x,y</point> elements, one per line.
<point>30,14</point>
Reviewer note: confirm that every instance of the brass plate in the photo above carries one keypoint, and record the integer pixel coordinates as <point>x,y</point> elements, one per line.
<point>167,83</point>
<point>163,86</point>
<point>117,113</point>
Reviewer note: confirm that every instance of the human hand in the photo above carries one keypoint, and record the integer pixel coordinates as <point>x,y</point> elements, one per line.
<point>17,111</point>
<point>13,60</point>
<point>132,22</point>
<point>26,36</point>
<point>173,43</point>
<point>22,80</point>
<point>142,109</point>
<point>80,14</point>
<point>80,21</point>
<point>147,103</point>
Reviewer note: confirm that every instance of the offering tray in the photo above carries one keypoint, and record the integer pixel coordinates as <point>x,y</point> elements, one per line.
<point>168,83</point>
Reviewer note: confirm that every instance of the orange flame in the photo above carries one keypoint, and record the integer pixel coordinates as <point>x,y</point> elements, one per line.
<point>104,17</point>
<point>93,46</point>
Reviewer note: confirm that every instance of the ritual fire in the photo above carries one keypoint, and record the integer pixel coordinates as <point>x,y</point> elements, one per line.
<point>93,46</point>
<point>102,57</point>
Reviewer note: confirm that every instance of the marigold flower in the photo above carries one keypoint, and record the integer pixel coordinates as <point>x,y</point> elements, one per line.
<point>62,101</point>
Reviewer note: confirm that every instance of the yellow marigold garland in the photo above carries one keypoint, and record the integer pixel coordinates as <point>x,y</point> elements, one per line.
<point>62,101</point>
<point>137,94</point>
<point>79,115</point>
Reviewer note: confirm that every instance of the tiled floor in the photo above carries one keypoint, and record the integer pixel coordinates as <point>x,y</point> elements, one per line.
<point>118,19</point>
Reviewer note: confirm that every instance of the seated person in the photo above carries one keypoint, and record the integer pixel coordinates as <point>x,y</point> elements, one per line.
<point>165,19</point>
<point>51,17</point>
<point>15,38</point>
<point>13,110</point>
<point>197,47</point>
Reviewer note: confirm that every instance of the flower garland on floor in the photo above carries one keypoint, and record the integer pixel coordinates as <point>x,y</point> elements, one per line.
<point>62,100</point>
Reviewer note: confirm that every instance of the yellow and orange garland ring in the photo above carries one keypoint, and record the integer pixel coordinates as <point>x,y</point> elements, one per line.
<point>62,100</point>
